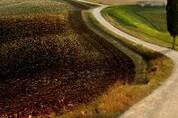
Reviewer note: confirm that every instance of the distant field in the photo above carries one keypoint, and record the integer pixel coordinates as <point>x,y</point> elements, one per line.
<point>147,23</point>
<point>119,1</point>
<point>26,7</point>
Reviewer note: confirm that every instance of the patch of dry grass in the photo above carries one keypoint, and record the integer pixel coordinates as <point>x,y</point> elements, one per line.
<point>119,97</point>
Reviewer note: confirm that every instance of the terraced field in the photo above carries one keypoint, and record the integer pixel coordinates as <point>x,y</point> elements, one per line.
<point>50,63</point>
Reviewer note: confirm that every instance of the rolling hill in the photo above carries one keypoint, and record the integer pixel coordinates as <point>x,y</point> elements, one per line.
<point>50,62</point>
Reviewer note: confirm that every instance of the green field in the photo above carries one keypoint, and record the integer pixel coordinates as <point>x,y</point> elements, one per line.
<point>147,23</point>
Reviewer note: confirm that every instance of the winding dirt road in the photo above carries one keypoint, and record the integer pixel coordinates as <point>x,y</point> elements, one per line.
<point>163,102</point>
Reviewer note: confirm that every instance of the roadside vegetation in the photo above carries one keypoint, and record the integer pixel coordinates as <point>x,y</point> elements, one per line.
<point>50,63</point>
<point>120,97</point>
<point>147,23</point>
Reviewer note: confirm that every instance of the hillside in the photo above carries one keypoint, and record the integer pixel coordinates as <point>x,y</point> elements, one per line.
<point>147,23</point>
<point>50,63</point>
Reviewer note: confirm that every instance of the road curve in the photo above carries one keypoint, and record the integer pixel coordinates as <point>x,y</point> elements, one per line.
<point>163,102</point>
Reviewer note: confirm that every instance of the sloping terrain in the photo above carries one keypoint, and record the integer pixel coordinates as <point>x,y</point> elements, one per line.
<point>162,103</point>
<point>119,98</point>
<point>150,22</point>
<point>113,2</point>
<point>50,62</point>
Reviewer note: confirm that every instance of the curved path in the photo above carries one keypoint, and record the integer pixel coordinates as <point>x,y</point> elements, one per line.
<point>163,102</point>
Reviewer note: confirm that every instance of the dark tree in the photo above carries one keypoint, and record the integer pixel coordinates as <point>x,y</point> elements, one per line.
<point>172,19</point>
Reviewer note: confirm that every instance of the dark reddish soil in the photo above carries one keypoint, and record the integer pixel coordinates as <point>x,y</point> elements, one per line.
<point>58,70</point>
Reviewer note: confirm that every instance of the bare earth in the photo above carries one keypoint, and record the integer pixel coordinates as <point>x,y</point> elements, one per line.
<point>58,67</point>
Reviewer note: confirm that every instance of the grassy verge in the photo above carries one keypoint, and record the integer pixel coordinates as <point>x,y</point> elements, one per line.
<point>120,97</point>
<point>146,23</point>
